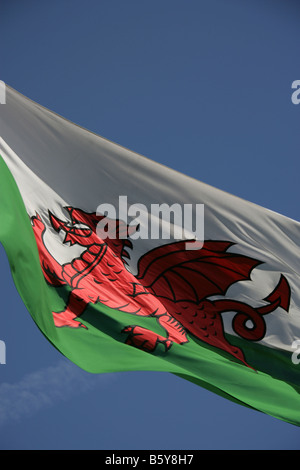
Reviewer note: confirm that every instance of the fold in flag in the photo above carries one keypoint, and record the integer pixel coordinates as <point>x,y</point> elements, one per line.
<point>224,314</point>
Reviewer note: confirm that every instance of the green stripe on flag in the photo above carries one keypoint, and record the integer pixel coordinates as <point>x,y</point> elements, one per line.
<point>18,240</point>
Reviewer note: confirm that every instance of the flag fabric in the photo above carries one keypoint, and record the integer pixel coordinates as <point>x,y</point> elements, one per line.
<point>223,313</point>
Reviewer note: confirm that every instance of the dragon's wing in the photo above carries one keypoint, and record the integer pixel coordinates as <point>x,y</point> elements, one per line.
<point>177,274</point>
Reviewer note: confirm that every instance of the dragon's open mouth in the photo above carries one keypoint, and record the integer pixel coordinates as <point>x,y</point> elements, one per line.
<point>72,231</point>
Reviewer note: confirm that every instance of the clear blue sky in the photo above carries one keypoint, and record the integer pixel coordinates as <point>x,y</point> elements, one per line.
<point>202,86</point>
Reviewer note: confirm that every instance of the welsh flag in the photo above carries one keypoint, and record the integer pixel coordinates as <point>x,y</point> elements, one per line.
<point>222,310</point>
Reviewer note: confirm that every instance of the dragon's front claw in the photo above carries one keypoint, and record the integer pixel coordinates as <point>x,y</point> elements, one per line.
<point>65,319</point>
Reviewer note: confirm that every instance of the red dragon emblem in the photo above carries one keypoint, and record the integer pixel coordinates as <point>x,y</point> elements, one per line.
<point>173,285</point>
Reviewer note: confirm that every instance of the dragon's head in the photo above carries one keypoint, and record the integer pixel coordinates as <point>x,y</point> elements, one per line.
<point>82,229</point>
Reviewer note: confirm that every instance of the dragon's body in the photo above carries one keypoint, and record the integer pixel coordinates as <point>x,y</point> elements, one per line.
<point>172,285</point>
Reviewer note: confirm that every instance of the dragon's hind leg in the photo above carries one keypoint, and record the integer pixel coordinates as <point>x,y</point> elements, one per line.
<point>145,339</point>
<point>148,340</point>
